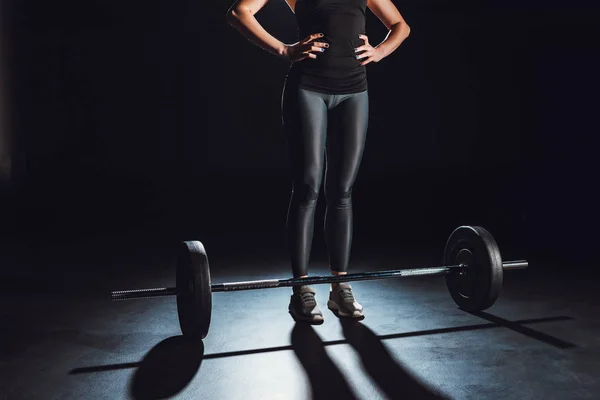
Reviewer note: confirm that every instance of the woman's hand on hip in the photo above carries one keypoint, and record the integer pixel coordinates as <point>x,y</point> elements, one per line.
<point>367,52</point>
<point>306,48</point>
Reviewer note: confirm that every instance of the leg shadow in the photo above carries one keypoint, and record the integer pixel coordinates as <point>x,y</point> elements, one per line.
<point>327,381</point>
<point>390,376</point>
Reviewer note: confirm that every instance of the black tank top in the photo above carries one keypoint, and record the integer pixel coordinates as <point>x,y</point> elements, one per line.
<point>336,70</point>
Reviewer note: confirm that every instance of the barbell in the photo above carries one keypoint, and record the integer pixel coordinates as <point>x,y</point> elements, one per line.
<point>473,268</point>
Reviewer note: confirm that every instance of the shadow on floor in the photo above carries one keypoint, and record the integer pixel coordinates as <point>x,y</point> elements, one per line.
<point>326,379</point>
<point>167,368</point>
<point>519,326</point>
<point>395,380</point>
<point>328,382</point>
<point>172,364</point>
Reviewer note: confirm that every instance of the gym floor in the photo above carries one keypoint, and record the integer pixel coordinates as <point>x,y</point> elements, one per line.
<point>62,337</point>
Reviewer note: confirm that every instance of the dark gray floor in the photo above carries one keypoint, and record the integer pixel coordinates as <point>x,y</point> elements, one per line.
<point>62,338</point>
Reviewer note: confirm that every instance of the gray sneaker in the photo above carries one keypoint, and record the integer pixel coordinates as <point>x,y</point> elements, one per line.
<point>303,305</point>
<point>342,302</point>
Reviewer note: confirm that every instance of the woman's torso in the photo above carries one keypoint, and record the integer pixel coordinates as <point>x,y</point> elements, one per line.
<point>336,70</point>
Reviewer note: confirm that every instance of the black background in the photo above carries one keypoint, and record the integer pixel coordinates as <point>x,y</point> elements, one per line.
<point>157,118</point>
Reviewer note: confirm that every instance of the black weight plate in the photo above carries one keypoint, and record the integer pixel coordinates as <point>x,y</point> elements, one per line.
<point>194,296</point>
<point>478,286</point>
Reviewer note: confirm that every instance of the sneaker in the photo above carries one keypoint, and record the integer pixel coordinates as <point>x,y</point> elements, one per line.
<point>303,305</point>
<point>342,302</point>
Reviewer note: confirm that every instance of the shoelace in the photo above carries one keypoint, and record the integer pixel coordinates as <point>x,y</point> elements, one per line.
<point>308,299</point>
<point>347,295</point>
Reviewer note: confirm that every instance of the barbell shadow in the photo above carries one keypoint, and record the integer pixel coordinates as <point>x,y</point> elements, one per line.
<point>326,379</point>
<point>176,341</point>
<point>518,326</point>
<point>391,377</point>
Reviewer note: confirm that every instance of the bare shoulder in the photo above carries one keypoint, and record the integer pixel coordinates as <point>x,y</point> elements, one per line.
<point>253,6</point>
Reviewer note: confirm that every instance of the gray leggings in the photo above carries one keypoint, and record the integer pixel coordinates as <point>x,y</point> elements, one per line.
<point>323,132</point>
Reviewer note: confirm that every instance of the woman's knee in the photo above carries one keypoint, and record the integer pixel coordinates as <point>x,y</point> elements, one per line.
<point>306,195</point>
<point>341,197</point>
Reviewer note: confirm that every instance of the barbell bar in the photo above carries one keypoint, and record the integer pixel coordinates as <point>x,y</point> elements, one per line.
<point>473,270</point>
<point>274,283</point>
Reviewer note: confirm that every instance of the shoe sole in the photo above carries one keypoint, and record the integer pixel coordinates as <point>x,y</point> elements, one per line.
<point>332,305</point>
<point>312,320</point>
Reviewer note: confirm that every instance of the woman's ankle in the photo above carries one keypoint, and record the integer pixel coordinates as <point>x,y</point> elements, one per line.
<point>336,273</point>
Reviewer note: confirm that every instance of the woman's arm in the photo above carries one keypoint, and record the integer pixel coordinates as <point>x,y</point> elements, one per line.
<point>241,16</point>
<point>399,30</point>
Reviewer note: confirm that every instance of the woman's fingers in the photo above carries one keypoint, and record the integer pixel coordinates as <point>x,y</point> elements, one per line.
<point>318,47</point>
<point>369,57</point>
<point>366,53</point>
<point>315,47</point>
<point>362,48</point>
<point>368,60</point>
<point>364,58</point>
<point>312,37</point>
<point>308,47</point>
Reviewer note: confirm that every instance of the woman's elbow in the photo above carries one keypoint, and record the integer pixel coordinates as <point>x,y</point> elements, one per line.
<point>405,28</point>
<point>401,26</point>
<point>232,16</point>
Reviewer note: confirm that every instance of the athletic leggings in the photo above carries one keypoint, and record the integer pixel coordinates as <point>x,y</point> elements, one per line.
<point>324,133</point>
